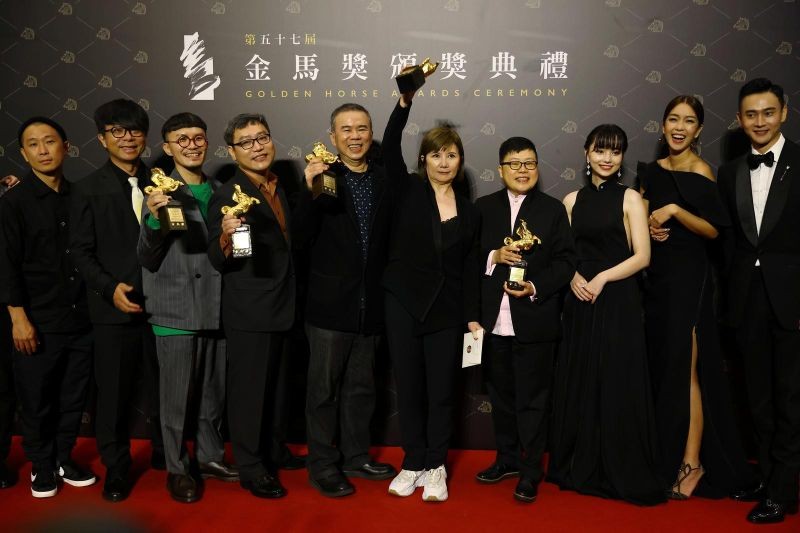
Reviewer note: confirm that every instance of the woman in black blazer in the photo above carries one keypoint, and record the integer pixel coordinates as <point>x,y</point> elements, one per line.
<point>431,283</point>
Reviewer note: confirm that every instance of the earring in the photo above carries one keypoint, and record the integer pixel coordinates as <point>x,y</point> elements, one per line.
<point>588,169</point>
<point>619,173</point>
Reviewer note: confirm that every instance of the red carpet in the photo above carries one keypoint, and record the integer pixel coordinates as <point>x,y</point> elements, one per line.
<point>472,507</point>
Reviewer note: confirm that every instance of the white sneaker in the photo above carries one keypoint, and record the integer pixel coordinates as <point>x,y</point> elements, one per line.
<point>435,485</point>
<point>406,482</point>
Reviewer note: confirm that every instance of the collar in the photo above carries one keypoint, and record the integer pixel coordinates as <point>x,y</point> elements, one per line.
<point>776,149</point>
<point>41,189</point>
<point>141,173</point>
<point>515,199</point>
<point>271,178</point>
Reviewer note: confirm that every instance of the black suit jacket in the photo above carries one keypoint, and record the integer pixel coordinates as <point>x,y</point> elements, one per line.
<point>777,247</point>
<point>339,277</point>
<point>258,292</point>
<point>103,240</point>
<point>551,265</point>
<point>414,272</point>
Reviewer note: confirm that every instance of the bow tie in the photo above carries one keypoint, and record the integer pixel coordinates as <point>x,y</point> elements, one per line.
<point>755,160</point>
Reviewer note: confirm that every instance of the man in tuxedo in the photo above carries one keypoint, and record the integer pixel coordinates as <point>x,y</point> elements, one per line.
<point>46,300</point>
<point>258,296</point>
<point>762,193</point>
<point>347,238</point>
<point>105,216</point>
<point>183,293</point>
<point>525,323</point>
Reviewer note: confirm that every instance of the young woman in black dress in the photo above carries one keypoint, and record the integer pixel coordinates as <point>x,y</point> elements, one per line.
<point>604,437</point>
<point>697,433</point>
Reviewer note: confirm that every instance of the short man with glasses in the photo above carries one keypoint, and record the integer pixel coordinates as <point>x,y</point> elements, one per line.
<point>183,291</point>
<point>106,215</point>
<point>258,297</point>
<point>46,300</point>
<point>520,346</point>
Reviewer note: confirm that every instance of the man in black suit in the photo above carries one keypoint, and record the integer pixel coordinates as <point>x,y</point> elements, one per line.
<point>524,324</point>
<point>348,240</point>
<point>46,301</point>
<point>106,214</point>
<point>762,193</point>
<point>258,297</point>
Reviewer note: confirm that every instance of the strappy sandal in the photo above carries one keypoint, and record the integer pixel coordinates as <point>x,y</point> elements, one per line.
<point>685,470</point>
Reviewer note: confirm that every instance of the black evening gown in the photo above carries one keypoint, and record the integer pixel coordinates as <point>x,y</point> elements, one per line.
<point>604,434</point>
<point>679,299</point>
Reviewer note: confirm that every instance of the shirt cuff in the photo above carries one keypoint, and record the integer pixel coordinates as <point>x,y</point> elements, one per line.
<point>489,264</point>
<point>152,222</point>
<point>532,296</point>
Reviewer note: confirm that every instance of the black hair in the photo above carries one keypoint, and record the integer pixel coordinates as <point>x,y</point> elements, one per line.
<point>689,100</point>
<point>761,85</point>
<point>125,113</point>
<point>607,136</point>
<point>41,120</point>
<point>349,107</point>
<point>180,121</point>
<point>515,145</point>
<point>243,120</point>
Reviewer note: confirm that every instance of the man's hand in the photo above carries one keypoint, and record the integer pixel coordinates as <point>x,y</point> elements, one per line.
<point>314,168</point>
<point>526,291</point>
<point>230,223</point>
<point>26,340</point>
<point>474,328</point>
<point>121,301</point>
<point>155,201</point>
<point>507,255</point>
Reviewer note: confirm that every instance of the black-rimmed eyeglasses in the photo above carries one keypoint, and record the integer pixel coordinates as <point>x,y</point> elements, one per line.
<point>183,141</point>
<point>118,132</point>
<point>516,165</point>
<point>247,144</point>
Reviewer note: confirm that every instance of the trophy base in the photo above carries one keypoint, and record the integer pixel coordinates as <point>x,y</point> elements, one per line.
<point>241,241</point>
<point>324,185</point>
<point>171,217</point>
<point>514,286</point>
<point>410,81</point>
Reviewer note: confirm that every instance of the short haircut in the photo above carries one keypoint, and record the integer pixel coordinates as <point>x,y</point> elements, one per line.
<point>41,120</point>
<point>349,107</point>
<point>689,100</point>
<point>125,113</point>
<point>243,120</point>
<point>180,121</point>
<point>433,141</point>
<point>761,85</point>
<point>515,145</point>
<point>606,136</point>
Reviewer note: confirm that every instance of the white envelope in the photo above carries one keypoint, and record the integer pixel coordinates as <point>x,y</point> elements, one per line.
<point>471,354</point>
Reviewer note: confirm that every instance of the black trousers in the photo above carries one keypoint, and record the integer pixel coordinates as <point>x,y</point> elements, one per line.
<point>340,399</point>
<point>771,358</point>
<point>124,356</point>
<point>519,377</point>
<point>253,365</point>
<point>425,369</point>
<point>51,386</point>
<point>7,396</point>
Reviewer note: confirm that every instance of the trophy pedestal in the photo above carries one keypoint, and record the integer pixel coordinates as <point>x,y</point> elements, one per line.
<point>410,81</point>
<point>171,217</point>
<point>241,241</point>
<point>324,185</point>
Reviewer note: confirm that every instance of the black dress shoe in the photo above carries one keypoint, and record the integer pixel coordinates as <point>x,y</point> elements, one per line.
<point>157,460</point>
<point>496,472</point>
<point>219,470</point>
<point>8,477</point>
<point>527,490</point>
<point>333,486</point>
<point>183,488</point>
<point>293,462</point>
<point>371,470</point>
<point>264,486</point>
<point>116,487</point>
<point>754,493</point>
<point>770,512</point>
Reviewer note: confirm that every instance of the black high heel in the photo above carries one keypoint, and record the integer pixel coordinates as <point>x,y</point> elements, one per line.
<point>684,471</point>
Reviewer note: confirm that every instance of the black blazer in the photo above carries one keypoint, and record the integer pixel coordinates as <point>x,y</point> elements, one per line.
<point>550,265</point>
<point>413,272</point>
<point>103,239</point>
<point>777,247</point>
<point>338,276</point>
<point>258,292</point>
